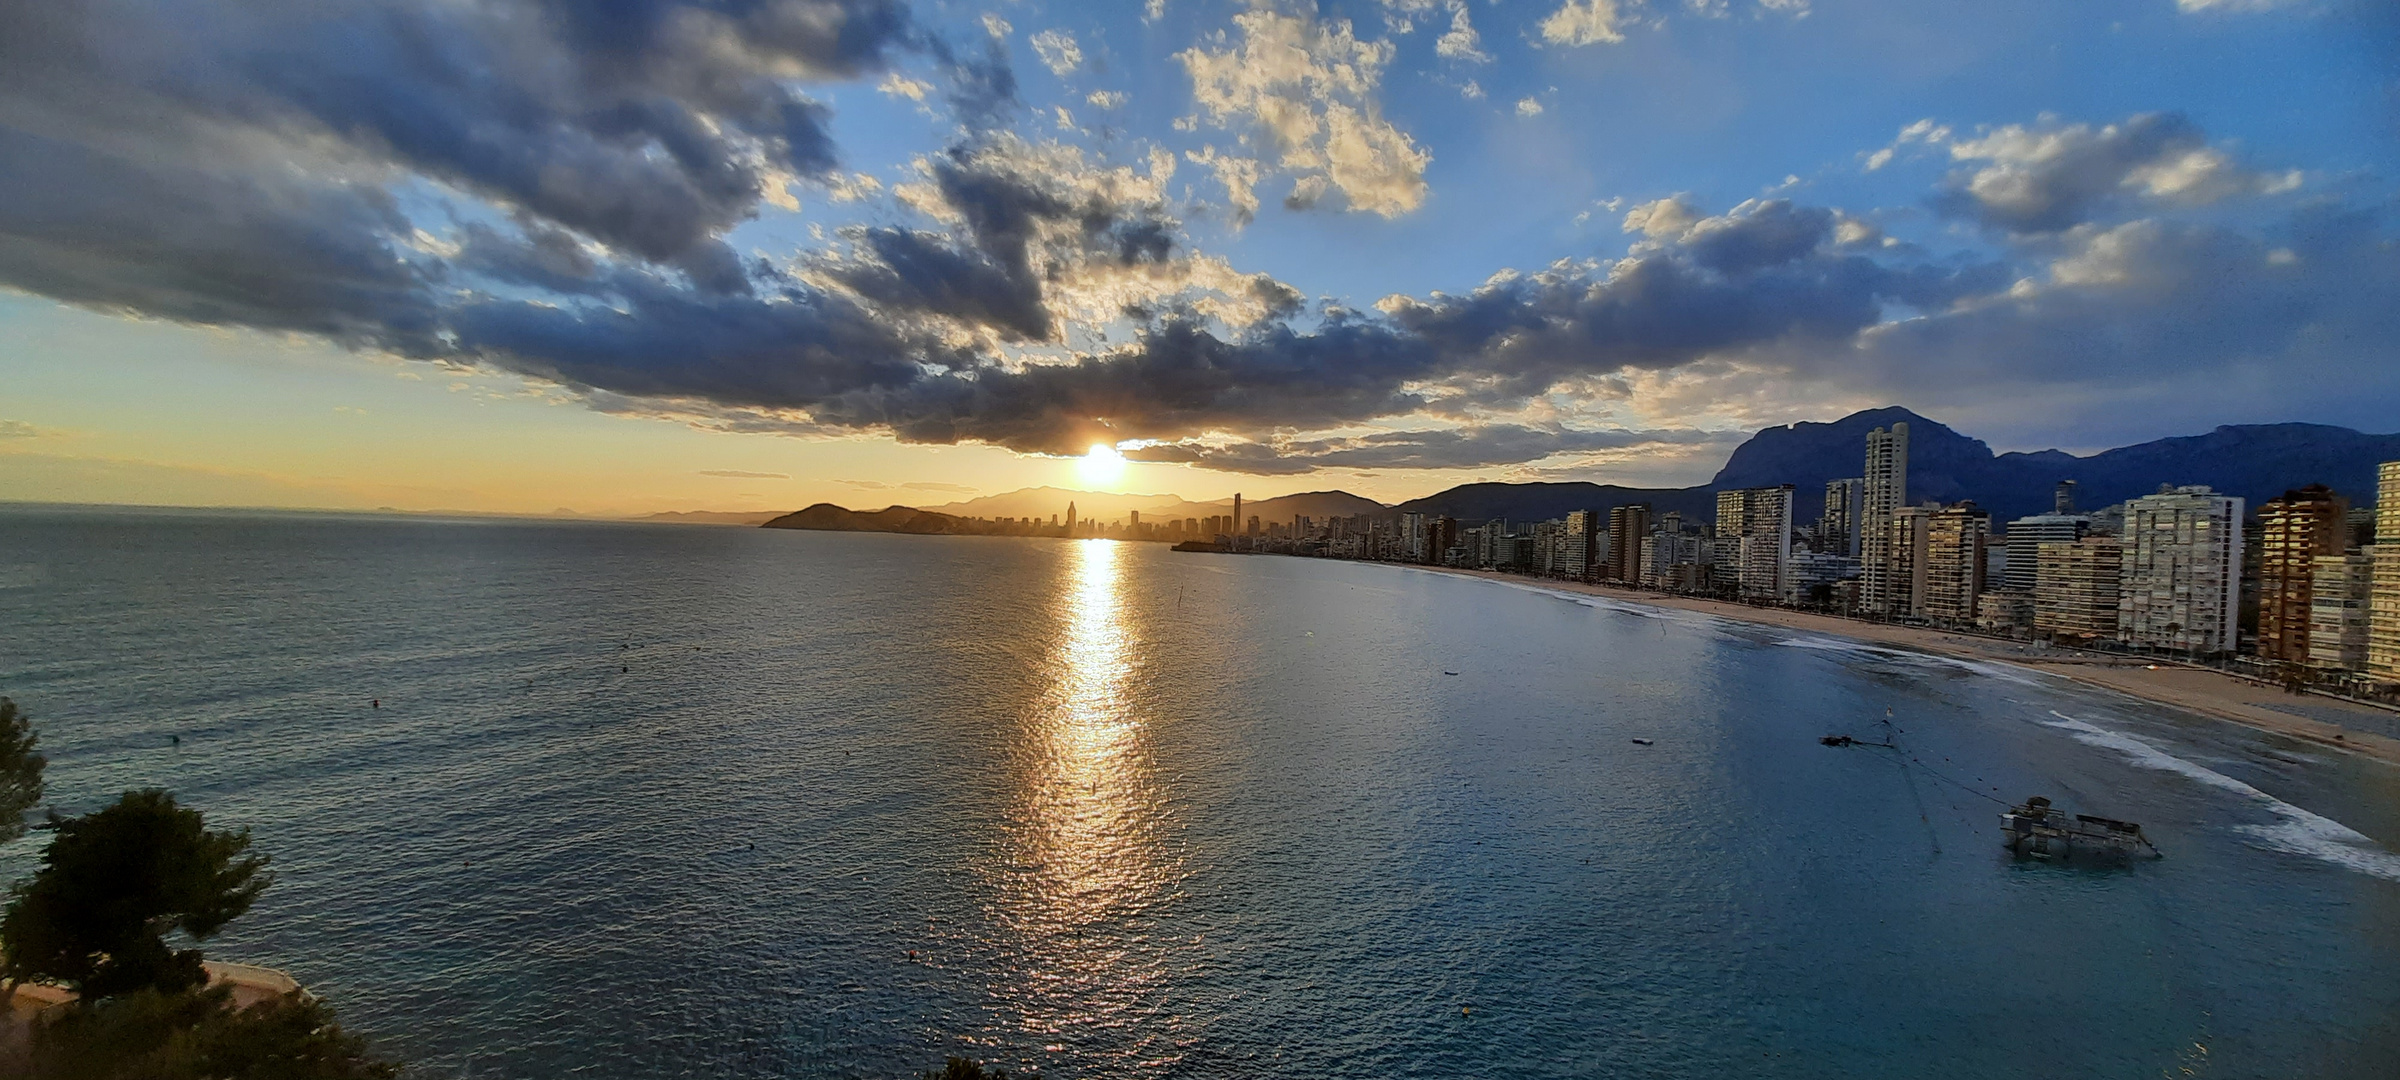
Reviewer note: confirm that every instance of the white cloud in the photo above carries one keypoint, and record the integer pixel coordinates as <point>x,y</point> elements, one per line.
<point>997,26</point>
<point>1583,22</point>
<point>898,85</point>
<point>1239,175</point>
<point>1058,51</point>
<point>1528,107</point>
<point>1310,87</point>
<point>1400,16</point>
<point>1471,90</point>
<point>2190,6</point>
<point>1154,10</point>
<point>1107,99</point>
<point>1461,42</point>
<point>1663,219</point>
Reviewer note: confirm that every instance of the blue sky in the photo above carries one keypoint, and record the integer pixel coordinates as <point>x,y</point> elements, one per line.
<point>644,255</point>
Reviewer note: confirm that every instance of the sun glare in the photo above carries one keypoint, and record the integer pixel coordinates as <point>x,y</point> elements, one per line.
<point>1101,466</point>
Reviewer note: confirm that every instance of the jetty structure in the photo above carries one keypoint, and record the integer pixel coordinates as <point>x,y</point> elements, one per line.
<point>2041,830</point>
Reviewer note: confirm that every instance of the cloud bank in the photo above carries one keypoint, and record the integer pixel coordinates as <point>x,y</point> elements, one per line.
<point>547,189</point>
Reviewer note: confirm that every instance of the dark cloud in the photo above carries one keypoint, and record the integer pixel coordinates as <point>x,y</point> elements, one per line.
<point>545,188</point>
<point>2052,176</point>
<point>2157,327</point>
<point>1460,448</point>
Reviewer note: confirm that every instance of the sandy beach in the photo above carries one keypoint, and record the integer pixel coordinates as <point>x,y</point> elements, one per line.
<point>2204,691</point>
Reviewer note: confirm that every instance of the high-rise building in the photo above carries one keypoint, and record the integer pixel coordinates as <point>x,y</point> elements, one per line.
<point>1412,537</point>
<point>1953,565</point>
<point>1731,513</point>
<point>1583,537</point>
<point>1071,517</point>
<point>2028,534</point>
<point>1906,538</point>
<point>1759,522</point>
<point>1837,530</point>
<point>2338,610</point>
<point>2183,571</point>
<point>2062,498</point>
<point>2077,589</point>
<point>2383,613</point>
<point>2294,529</point>
<point>1627,525</point>
<point>1885,491</point>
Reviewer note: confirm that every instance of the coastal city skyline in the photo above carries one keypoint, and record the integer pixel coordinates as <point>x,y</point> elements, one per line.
<point>1386,247</point>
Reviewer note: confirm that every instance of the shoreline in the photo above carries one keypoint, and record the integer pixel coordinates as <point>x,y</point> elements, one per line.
<point>2205,692</point>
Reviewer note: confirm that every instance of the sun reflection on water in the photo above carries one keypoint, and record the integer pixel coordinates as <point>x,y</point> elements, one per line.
<point>1089,865</point>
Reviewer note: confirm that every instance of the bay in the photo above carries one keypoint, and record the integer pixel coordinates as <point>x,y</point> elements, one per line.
<point>549,799</point>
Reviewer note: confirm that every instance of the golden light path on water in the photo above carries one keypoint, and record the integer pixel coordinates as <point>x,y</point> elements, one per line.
<point>1088,861</point>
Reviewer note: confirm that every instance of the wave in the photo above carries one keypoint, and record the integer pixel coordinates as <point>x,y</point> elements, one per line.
<point>2300,832</point>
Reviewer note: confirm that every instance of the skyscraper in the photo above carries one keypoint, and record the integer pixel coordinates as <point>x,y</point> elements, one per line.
<point>2339,611</point>
<point>1759,522</point>
<point>1070,517</point>
<point>1885,492</point>
<point>1837,530</point>
<point>2293,531</point>
<point>1627,525</point>
<point>1907,536</point>
<point>1954,562</point>
<point>2183,570</point>
<point>1584,531</point>
<point>2383,616</point>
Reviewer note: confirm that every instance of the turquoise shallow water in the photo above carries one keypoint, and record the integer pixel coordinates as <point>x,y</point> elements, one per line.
<point>678,801</point>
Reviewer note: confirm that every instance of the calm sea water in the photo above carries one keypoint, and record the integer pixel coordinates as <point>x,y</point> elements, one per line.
<point>677,801</point>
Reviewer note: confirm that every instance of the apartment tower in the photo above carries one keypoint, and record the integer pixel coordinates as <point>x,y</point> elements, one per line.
<point>1627,525</point>
<point>1954,539</point>
<point>1885,492</point>
<point>2294,531</point>
<point>2383,615</point>
<point>2183,571</point>
<point>2076,591</point>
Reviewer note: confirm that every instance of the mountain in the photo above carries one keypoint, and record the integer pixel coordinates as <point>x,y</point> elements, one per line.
<point>2255,461</point>
<point>712,517</point>
<point>1041,502</point>
<point>894,519</point>
<point>1314,504</point>
<point>1538,502</point>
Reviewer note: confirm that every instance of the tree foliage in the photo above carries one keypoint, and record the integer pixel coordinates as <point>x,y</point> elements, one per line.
<point>20,771</point>
<point>148,1035</point>
<point>114,883</point>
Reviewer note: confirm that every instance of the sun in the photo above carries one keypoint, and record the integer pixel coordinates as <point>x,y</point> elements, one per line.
<point>1101,466</point>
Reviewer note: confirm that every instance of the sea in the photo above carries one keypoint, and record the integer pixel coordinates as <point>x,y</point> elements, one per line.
<point>557,799</point>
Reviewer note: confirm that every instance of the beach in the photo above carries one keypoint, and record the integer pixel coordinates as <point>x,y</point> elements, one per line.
<point>2206,691</point>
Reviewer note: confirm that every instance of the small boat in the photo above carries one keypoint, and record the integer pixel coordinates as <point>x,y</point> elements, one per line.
<point>1642,742</point>
<point>2041,830</point>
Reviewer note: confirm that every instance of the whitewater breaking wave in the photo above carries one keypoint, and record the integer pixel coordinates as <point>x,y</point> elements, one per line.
<point>2299,832</point>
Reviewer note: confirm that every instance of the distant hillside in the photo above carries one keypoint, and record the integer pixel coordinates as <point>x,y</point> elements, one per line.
<point>826,517</point>
<point>713,517</point>
<point>2256,462</point>
<point>1314,504</point>
<point>1539,502</point>
<point>1042,502</point>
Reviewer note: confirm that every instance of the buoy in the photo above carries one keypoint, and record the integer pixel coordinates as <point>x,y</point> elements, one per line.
<point>375,703</point>
<point>1464,1010</point>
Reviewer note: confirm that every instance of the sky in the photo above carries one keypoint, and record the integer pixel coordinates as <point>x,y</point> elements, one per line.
<point>623,256</point>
